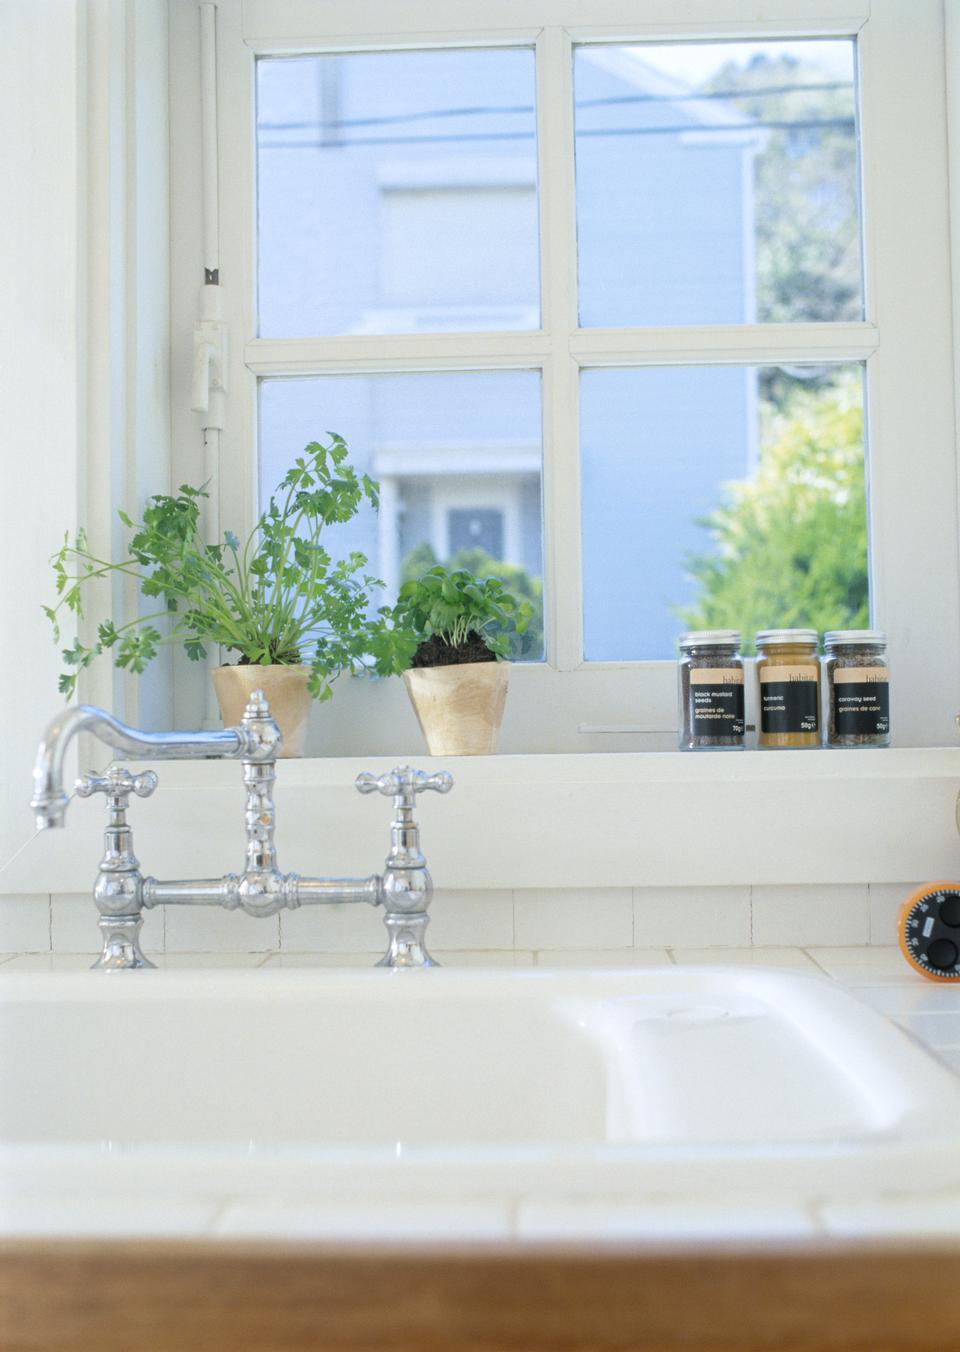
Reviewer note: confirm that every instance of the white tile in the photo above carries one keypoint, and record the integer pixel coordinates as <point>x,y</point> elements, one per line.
<point>805,915</point>
<point>295,960</point>
<point>179,962</point>
<point>343,927</point>
<point>513,957</point>
<point>447,958</point>
<point>409,1219</point>
<point>49,962</point>
<point>938,1031</point>
<point>912,995</point>
<point>210,929</point>
<point>793,958</point>
<point>691,917</point>
<point>886,899</point>
<point>574,917</point>
<point>481,919</point>
<point>605,957</point>
<point>862,965</point>
<point>951,1059</point>
<point>73,925</point>
<point>89,1214</point>
<point>656,1222</point>
<point>910,1216</point>
<point>25,923</point>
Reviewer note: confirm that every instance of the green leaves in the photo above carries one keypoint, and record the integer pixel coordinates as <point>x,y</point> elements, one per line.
<point>270,598</point>
<point>790,544</point>
<point>451,606</point>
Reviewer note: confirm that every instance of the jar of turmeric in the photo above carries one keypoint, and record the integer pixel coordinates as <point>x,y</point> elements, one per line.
<point>788,671</point>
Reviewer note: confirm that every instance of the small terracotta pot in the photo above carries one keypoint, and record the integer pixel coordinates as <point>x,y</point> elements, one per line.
<point>286,692</point>
<point>459,708</point>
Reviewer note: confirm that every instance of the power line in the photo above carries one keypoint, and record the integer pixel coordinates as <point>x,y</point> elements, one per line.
<point>514,109</point>
<point>459,138</point>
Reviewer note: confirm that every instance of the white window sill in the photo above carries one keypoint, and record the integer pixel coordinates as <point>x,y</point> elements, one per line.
<point>555,821</point>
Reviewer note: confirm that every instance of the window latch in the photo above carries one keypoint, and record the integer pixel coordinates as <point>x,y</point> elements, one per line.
<point>210,359</point>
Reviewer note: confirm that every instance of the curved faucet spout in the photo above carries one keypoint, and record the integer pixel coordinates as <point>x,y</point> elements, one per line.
<point>49,801</point>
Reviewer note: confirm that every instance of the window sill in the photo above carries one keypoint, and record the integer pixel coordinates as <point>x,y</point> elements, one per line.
<point>557,821</point>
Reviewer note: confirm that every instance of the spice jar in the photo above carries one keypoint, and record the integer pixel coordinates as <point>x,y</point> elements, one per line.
<point>789,674</point>
<point>711,691</point>
<point>858,687</point>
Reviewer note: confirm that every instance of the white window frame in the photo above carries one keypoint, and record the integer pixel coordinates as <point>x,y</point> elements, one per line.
<point>905,341</point>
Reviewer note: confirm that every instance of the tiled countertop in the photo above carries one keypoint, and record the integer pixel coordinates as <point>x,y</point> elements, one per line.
<point>879,976</point>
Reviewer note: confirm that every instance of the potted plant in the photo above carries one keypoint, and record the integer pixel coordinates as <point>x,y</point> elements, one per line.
<point>457,676</point>
<point>295,618</point>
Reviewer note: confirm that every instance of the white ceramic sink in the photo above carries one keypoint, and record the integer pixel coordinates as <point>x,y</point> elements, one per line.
<point>366,1084</point>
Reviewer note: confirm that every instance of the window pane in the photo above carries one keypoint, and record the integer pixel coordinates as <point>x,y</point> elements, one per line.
<point>717,183</point>
<point>458,458</point>
<point>720,497</point>
<point>397,192</point>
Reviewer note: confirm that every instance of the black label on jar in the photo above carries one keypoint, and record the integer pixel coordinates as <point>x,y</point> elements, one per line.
<point>789,706</point>
<point>862,708</point>
<point>717,710</point>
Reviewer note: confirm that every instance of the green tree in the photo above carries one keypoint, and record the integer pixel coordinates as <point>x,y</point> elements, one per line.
<point>791,543</point>
<point>517,580</point>
<point>806,186</point>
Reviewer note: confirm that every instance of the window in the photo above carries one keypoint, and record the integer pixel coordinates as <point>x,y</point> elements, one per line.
<point>580,283</point>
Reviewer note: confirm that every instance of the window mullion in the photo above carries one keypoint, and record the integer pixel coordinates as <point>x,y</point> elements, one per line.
<point>558,272</point>
<point>731,343</point>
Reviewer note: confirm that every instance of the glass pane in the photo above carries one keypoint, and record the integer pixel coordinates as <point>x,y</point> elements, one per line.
<point>720,497</point>
<point>397,193</point>
<point>458,457</point>
<point>717,183</point>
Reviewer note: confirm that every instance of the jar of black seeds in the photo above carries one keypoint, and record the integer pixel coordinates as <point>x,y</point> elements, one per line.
<point>711,691</point>
<point>858,687</point>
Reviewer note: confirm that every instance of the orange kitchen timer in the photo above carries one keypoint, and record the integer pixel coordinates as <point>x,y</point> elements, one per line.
<point>928,930</point>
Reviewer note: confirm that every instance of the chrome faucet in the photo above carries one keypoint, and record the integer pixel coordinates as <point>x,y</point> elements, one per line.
<point>122,893</point>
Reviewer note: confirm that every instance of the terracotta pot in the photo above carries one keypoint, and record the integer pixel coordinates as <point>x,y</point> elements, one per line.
<point>286,692</point>
<point>459,708</point>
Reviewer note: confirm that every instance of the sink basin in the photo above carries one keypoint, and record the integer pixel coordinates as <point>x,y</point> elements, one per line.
<point>373,1084</point>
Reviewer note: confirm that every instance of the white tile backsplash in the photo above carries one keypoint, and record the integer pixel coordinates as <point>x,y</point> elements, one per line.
<point>801,916</point>
<point>25,924</point>
<point>208,929</point>
<point>886,900</point>
<point>339,928</point>
<point>472,920</point>
<point>691,917</point>
<point>574,918</point>
<point>543,920</point>
<point>73,924</point>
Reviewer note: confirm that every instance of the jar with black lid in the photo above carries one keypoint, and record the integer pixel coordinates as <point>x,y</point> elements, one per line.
<point>711,691</point>
<point>858,687</point>
<point>788,673</point>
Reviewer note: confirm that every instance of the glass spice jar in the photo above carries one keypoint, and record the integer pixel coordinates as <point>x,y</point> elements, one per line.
<point>788,671</point>
<point>858,687</point>
<point>711,691</point>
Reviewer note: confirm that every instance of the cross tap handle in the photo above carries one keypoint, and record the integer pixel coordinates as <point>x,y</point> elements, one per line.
<point>404,783</point>
<point>117,783</point>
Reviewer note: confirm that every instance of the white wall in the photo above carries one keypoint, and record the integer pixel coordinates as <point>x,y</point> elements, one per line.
<point>41,362</point>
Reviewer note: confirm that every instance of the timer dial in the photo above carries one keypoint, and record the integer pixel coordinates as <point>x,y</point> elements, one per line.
<point>929,931</point>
